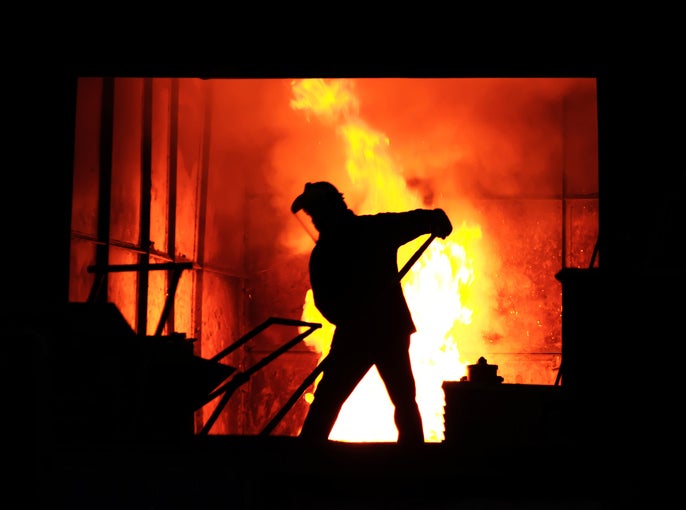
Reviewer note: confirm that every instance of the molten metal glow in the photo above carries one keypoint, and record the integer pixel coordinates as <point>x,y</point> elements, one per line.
<point>437,287</point>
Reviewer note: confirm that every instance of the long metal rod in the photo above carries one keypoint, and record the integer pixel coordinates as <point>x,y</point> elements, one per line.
<point>294,398</point>
<point>408,265</point>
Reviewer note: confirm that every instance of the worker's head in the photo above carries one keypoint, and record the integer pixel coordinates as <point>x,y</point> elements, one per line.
<point>321,201</point>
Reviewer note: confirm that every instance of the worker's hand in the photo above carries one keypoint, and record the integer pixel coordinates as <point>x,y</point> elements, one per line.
<point>442,226</point>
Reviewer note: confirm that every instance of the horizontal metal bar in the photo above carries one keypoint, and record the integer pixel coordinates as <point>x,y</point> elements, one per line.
<point>121,268</point>
<point>254,332</point>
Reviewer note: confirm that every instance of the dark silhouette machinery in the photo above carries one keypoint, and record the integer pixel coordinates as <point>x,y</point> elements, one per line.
<point>99,380</point>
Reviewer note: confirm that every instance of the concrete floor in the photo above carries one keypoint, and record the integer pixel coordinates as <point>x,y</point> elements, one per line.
<point>241,472</point>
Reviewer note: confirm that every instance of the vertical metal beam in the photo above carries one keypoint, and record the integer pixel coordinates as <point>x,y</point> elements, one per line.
<point>202,210</point>
<point>102,250</point>
<point>146,197</point>
<point>202,218</point>
<point>173,170</point>
<point>564,182</point>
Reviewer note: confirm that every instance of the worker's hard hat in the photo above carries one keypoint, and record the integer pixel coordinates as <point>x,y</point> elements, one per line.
<point>316,195</point>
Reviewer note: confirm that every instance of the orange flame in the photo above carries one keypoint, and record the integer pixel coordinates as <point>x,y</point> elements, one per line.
<point>437,287</point>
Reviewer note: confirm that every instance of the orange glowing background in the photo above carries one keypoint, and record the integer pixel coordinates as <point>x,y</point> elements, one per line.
<point>456,290</point>
<point>513,161</point>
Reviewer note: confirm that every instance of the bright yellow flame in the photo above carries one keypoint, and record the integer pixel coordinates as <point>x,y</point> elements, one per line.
<point>437,287</point>
<point>329,102</point>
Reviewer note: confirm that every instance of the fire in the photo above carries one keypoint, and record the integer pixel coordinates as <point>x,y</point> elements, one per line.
<point>437,287</point>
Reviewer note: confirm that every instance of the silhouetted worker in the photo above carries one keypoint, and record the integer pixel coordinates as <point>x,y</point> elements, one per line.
<point>355,284</point>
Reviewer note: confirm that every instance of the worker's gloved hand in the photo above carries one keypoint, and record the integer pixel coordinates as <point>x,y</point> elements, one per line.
<point>442,226</point>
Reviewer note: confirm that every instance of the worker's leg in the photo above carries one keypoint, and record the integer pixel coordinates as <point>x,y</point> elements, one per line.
<point>395,370</point>
<point>343,371</point>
